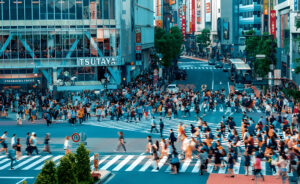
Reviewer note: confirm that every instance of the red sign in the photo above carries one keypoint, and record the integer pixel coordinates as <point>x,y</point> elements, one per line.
<point>273,23</point>
<point>183,26</point>
<point>193,16</point>
<point>138,48</point>
<point>76,137</point>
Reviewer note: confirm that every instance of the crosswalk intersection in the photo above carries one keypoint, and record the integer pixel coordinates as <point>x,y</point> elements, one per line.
<point>130,163</point>
<point>200,68</point>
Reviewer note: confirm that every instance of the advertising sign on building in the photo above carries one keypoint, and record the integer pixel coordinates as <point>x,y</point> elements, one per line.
<point>183,26</point>
<point>138,46</point>
<point>273,23</point>
<point>193,28</point>
<point>208,11</point>
<point>171,2</point>
<point>266,7</point>
<point>198,11</point>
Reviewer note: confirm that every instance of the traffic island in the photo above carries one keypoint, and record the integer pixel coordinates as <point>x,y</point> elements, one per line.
<point>100,176</point>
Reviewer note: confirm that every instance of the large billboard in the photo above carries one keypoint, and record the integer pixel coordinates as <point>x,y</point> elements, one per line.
<point>198,11</point>
<point>208,11</point>
<point>266,7</point>
<point>171,2</point>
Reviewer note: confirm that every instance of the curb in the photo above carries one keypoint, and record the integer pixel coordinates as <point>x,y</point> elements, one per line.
<point>105,175</point>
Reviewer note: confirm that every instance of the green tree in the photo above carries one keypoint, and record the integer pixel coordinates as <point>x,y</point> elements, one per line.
<point>83,164</point>
<point>66,170</point>
<point>261,44</point>
<point>48,174</point>
<point>168,44</point>
<point>203,40</point>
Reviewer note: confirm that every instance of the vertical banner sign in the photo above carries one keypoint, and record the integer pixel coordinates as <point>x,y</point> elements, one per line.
<point>138,46</point>
<point>208,11</point>
<point>183,21</point>
<point>296,5</point>
<point>198,11</point>
<point>273,23</point>
<point>171,2</point>
<point>266,7</point>
<point>193,16</point>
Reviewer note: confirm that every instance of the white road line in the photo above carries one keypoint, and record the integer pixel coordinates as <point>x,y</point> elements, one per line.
<point>228,87</point>
<point>53,159</point>
<point>160,163</point>
<point>27,161</point>
<point>37,162</point>
<point>196,167</point>
<point>146,165</point>
<point>111,162</point>
<point>237,166</point>
<point>210,167</point>
<point>8,164</point>
<point>223,169</point>
<point>185,165</point>
<point>135,163</point>
<point>124,162</point>
<point>3,156</point>
<point>4,160</point>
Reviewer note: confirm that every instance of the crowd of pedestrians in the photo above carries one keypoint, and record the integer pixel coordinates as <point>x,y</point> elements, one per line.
<point>274,138</point>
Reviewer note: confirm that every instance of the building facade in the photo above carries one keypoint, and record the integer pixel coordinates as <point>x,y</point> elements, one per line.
<point>66,44</point>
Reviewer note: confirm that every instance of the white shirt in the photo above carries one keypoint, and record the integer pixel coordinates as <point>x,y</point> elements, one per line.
<point>67,144</point>
<point>13,141</point>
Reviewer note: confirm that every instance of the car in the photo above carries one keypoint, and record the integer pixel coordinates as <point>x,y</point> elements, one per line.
<point>239,89</point>
<point>219,64</point>
<point>226,67</point>
<point>211,62</point>
<point>172,89</point>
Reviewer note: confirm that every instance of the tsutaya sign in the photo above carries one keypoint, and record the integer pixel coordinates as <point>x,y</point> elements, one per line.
<point>99,61</point>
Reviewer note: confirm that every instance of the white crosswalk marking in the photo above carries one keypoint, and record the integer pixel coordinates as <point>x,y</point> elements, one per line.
<point>222,170</point>
<point>54,159</point>
<point>111,162</point>
<point>37,162</point>
<point>185,165</point>
<point>135,163</point>
<point>168,169</point>
<point>4,160</point>
<point>100,162</point>
<point>210,168</point>
<point>8,164</point>
<point>3,156</point>
<point>196,168</point>
<point>27,161</point>
<point>146,165</point>
<point>124,162</point>
<point>160,163</point>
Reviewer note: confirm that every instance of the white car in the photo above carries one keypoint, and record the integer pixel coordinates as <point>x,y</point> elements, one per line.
<point>172,89</point>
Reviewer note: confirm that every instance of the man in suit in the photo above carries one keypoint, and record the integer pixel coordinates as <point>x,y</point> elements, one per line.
<point>161,127</point>
<point>172,137</point>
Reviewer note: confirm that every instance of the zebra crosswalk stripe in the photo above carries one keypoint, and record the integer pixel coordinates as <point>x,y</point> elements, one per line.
<point>8,164</point>
<point>196,167</point>
<point>135,163</point>
<point>4,160</point>
<point>160,163</point>
<point>37,162</point>
<point>185,165</point>
<point>54,159</point>
<point>111,162</point>
<point>27,161</point>
<point>124,162</point>
<point>146,165</point>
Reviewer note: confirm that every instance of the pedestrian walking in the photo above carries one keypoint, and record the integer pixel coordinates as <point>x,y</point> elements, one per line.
<point>257,168</point>
<point>175,164</point>
<point>231,162</point>
<point>12,156</point>
<point>13,142</point>
<point>155,157</point>
<point>121,142</point>
<point>46,143</point>
<point>33,143</point>
<point>28,143</point>
<point>67,145</point>
<point>161,127</point>
<point>153,125</point>
<point>18,149</point>
<point>3,141</point>
<point>172,137</point>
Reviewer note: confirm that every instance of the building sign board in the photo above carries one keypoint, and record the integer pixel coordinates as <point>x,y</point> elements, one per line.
<point>208,11</point>
<point>273,23</point>
<point>100,61</point>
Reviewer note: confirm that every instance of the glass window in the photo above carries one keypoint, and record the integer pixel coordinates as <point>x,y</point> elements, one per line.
<point>65,9</point>
<point>58,8</point>
<point>79,10</point>
<point>6,10</point>
<point>13,10</point>
<point>112,9</point>
<point>86,9</point>
<point>105,9</point>
<point>99,9</point>
<point>72,9</point>
<point>21,9</point>
<point>93,9</point>
<point>29,42</point>
<point>36,9</point>
<point>50,9</point>
<point>1,7</point>
<point>43,10</point>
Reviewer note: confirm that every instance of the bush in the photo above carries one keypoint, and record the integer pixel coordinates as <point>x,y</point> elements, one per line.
<point>66,170</point>
<point>48,174</point>
<point>83,164</point>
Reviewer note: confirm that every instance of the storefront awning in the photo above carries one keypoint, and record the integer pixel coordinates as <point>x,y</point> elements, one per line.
<point>242,66</point>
